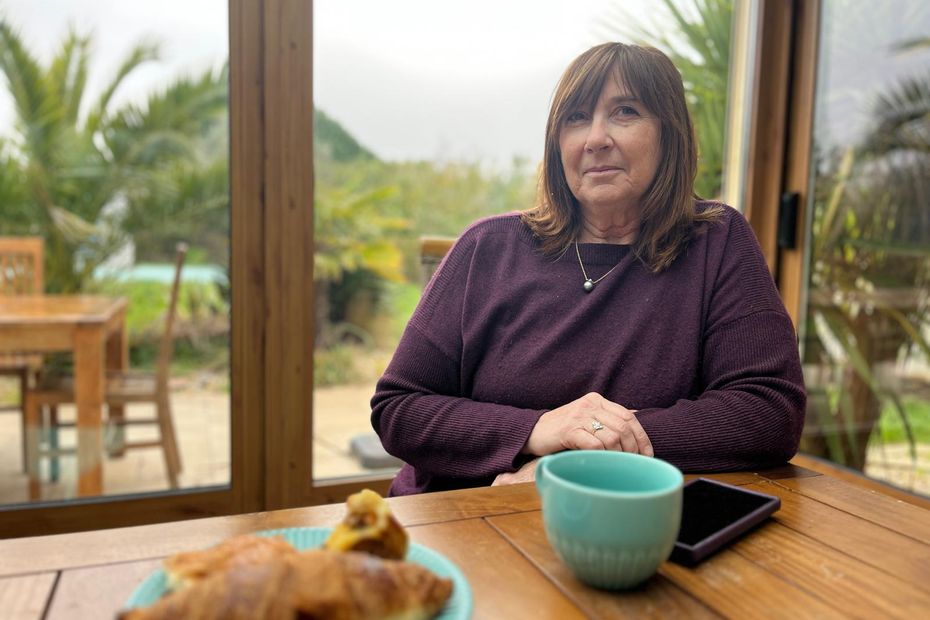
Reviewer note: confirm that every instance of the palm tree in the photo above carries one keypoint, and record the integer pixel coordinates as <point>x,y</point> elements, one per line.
<point>74,167</point>
<point>870,263</point>
<point>699,44</point>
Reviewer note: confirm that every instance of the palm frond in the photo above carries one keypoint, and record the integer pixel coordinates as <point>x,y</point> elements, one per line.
<point>910,45</point>
<point>141,53</point>
<point>67,74</point>
<point>832,323</point>
<point>177,119</point>
<point>23,74</point>
<point>898,407</point>
<point>72,227</point>
<point>903,118</point>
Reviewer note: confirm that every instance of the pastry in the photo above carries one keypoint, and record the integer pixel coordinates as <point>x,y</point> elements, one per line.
<point>186,568</point>
<point>369,526</point>
<point>358,575</point>
<point>318,583</point>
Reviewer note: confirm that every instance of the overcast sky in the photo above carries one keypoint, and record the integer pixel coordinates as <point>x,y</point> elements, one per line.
<point>193,34</point>
<point>410,79</point>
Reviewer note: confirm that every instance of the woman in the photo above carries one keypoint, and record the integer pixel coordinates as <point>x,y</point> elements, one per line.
<point>620,313</point>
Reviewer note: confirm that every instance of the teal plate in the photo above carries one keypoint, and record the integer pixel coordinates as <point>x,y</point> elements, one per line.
<point>458,607</point>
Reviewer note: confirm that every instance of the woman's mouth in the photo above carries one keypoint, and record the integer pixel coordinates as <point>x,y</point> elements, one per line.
<point>602,170</point>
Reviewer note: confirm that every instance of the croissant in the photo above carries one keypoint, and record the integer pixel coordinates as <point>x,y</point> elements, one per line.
<point>318,583</point>
<point>188,567</point>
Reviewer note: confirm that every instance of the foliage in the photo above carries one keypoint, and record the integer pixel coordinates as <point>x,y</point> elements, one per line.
<point>893,430</point>
<point>402,299</point>
<point>76,171</point>
<point>202,326</point>
<point>333,366</point>
<point>351,233</point>
<point>699,44</point>
<point>198,302</point>
<point>183,202</point>
<point>369,215</point>
<point>433,199</point>
<point>870,270</point>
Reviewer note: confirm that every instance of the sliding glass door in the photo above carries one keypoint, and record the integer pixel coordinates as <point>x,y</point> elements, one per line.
<point>114,121</point>
<point>866,327</point>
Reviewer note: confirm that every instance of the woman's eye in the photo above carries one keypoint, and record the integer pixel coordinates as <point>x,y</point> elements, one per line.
<point>627,110</point>
<point>575,117</point>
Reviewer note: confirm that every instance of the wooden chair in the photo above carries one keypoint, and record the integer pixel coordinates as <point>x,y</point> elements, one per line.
<point>21,273</point>
<point>432,251</point>
<point>21,266</point>
<point>122,388</point>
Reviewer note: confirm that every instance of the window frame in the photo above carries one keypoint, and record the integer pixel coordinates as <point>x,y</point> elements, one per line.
<point>271,248</point>
<point>774,155</point>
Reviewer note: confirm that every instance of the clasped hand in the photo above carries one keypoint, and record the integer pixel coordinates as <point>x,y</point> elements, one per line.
<point>569,427</point>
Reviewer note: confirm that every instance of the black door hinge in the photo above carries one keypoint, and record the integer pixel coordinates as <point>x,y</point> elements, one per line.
<point>788,220</point>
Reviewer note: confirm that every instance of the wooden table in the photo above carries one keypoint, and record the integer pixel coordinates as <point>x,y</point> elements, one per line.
<point>94,329</point>
<point>833,550</point>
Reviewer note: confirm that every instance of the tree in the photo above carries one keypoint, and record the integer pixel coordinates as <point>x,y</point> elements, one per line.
<point>698,42</point>
<point>75,170</point>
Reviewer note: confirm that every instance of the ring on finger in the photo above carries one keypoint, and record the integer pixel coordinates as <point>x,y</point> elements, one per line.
<point>596,426</point>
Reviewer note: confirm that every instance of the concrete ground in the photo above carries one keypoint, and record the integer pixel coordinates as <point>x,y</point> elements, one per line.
<point>893,464</point>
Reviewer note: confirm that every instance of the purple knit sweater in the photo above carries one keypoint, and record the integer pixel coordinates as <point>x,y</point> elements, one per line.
<point>705,351</point>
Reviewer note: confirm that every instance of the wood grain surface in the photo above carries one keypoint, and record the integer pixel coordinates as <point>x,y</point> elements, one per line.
<point>833,550</point>
<point>98,592</point>
<point>658,598</point>
<point>503,581</point>
<point>25,597</point>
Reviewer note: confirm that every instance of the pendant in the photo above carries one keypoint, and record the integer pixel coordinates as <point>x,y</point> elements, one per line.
<point>588,285</point>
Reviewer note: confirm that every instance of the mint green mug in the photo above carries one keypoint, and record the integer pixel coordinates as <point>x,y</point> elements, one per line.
<point>611,516</point>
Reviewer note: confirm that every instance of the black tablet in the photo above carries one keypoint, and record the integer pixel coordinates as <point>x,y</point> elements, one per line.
<point>714,514</point>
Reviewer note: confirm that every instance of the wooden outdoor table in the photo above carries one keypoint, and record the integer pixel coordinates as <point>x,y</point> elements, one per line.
<point>833,550</point>
<point>93,328</point>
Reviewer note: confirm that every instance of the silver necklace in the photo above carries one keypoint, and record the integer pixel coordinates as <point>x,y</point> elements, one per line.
<point>588,282</point>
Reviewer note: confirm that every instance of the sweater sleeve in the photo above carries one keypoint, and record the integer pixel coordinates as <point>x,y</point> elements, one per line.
<point>419,409</point>
<point>750,412</point>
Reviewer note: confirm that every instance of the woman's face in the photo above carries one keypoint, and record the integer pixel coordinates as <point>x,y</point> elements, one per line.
<point>610,153</point>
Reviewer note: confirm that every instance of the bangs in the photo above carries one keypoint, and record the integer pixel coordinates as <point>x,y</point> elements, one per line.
<point>583,81</point>
<point>640,79</point>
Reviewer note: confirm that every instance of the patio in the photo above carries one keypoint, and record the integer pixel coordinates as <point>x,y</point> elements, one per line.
<point>201,414</point>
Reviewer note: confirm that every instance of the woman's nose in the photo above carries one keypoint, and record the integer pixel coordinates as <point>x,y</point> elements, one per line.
<point>598,139</point>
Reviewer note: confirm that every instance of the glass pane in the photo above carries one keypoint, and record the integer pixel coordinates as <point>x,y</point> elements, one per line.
<point>423,127</point>
<point>865,338</point>
<point>113,156</point>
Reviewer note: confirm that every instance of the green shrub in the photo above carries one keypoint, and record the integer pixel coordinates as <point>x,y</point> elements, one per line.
<point>334,366</point>
<point>201,327</point>
<point>891,427</point>
<point>401,299</point>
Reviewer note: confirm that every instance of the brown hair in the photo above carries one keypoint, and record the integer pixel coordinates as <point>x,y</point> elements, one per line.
<point>668,207</point>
